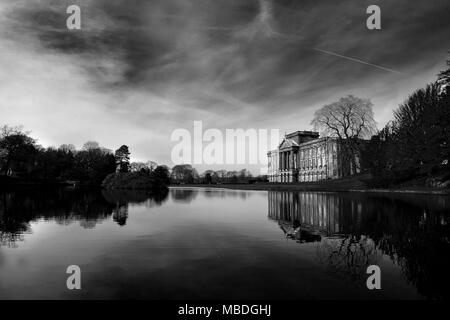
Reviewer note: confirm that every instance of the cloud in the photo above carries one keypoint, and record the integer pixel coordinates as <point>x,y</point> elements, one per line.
<point>140,69</point>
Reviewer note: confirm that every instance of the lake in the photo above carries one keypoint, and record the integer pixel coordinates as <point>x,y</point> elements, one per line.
<point>209,243</point>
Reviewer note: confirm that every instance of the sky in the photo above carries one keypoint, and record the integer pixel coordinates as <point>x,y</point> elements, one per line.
<point>138,70</point>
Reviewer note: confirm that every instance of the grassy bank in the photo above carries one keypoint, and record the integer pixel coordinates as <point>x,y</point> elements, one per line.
<point>351,184</point>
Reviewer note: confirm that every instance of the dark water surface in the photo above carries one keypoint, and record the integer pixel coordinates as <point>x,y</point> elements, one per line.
<point>223,244</point>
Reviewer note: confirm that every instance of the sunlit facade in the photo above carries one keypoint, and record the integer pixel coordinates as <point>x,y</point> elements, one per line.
<point>303,156</point>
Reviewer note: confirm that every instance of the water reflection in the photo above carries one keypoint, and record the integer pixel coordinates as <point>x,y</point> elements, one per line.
<point>64,206</point>
<point>355,230</point>
<point>187,195</point>
<point>121,199</point>
<point>135,247</point>
<point>183,195</point>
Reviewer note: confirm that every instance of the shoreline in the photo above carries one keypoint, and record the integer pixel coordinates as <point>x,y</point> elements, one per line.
<point>315,188</point>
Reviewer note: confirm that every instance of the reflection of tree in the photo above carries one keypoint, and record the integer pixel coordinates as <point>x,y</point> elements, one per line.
<point>9,239</point>
<point>120,214</point>
<point>11,228</point>
<point>183,195</point>
<point>423,253</point>
<point>134,196</point>
<point>19,208</point>
<point>146,198</point>
<point>226,193</point>
<point>87,207</point>
<point>123,198</point>
<point>349,256</point>
<point>357,229</point>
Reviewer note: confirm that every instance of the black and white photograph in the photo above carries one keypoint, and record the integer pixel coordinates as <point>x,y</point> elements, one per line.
<point>253,151</point>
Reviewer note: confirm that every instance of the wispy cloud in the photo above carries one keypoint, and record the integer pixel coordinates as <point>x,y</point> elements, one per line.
<point>139,69</point>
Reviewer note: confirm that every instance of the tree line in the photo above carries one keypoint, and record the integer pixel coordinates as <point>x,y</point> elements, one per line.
<point>185,173</point>
<point>23,160</point>
<point>22,157</point>
<point>413,147</point>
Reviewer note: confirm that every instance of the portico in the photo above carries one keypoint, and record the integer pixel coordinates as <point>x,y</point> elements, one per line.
<point>288,152</point>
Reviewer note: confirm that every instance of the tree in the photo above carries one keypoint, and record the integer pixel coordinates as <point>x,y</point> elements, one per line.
<point>379,156</point>
<point>420,129</point>
<point>349,120</point>
<point>444,79</point>
<point>122,156</point>
<point>244,173</point>
<point>184,173</point>
<point>416,143</point>
<point>91,145</point>
<point>138,166</point>
<point>68,148</point>
<point>208,178</point>
<point>444,82</point>
<point>16,148</point>
<point>161,175</point>
<point>151,165</point>
<point>232,176</point>
<point>92,166</point>
<point>222,175</point>
<point>148,166</point>
<point>54,164</point>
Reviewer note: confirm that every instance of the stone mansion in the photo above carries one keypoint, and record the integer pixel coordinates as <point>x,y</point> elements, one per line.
<point>303,156</point>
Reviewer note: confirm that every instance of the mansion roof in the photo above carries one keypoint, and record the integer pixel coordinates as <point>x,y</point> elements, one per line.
<point>288,143</point>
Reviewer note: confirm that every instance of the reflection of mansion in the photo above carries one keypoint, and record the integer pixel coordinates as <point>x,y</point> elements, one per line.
<point>303,156</point>
<point>322,212</point>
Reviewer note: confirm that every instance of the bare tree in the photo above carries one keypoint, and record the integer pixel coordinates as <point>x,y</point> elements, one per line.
<point>91,145</point>
<point>151,165</point>
<point>138,166</point>
<point>67,148</point>
<point>148,166</point>
<point>349,120</point>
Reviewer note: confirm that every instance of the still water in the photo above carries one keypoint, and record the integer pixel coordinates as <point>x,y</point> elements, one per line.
<point>192,243</point>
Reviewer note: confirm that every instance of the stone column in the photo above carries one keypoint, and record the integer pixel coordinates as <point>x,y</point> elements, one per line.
<point>292,160</point>
<point>286,163</point>
<point>296,160</point>
<point>280,161</point>
<point>288,160</point>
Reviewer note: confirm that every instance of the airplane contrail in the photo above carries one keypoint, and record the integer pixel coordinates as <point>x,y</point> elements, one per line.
<point>358,60</point>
